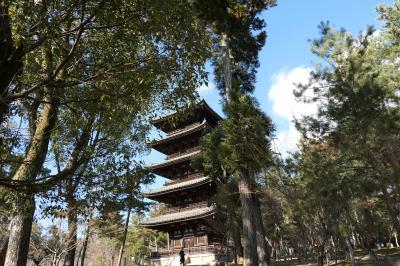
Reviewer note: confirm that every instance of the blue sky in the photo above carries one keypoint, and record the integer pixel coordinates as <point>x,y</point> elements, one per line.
<point>286,59</point>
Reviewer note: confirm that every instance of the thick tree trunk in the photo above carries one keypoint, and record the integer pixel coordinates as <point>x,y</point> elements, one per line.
<point>250,257</point>
<point>85,244</point>
<point>262,248</point>
<point>24,206</point>
<point>21,227</point>
<point>121,251</point>
<point>72,225</point>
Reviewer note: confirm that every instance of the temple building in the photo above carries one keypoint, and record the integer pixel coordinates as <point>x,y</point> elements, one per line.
<point>190,217</point>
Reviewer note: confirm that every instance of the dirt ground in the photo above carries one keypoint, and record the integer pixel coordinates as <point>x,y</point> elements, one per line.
<point>384,257</point>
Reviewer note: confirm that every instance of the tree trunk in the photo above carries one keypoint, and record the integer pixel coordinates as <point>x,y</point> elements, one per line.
<point>84,245</point>
<point>24,206</point>
<point>238,248</point>
<point>121,251</point>
<point>3,248</point>
<point>351,251</point>
<point>262,248</point>
<point>321,253</point>
<point>391,210</point>
<point>21,227</point>
<point>72,224</point>
<point>396,241</point>
<point>226,60</point>
<point>334,250</point>
<point>250,257</point>
<point>320,261</point>
<point>354,240</point>
<point>78,258</point>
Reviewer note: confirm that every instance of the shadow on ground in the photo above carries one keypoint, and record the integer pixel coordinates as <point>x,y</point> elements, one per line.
<point>383,257</point>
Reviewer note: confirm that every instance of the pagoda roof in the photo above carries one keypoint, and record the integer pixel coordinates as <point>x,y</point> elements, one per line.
<point>178,186</point>
<point>192,214</point>
<point>200,111</point>
<point>173,161</point>
<point>162,145</point>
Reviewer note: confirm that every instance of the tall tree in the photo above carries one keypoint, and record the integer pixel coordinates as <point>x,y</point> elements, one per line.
<point>239,41</point>
<point>244,150</point>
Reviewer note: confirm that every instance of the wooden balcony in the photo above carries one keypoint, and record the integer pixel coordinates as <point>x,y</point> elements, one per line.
<point>183,208</point>
<point>183,129</point>
<point>186,178</point>
<point>178,154</point>
<point>219,250</point>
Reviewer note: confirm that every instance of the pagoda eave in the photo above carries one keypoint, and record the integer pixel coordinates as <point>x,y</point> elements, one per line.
<point>178,217</point>
<point>166,144</point>
<point>166,123</point>
<point>168,189</point>
<point>163,168</point>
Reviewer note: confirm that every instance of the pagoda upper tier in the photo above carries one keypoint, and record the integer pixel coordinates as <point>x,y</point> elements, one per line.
<point>187,137</point>
<point>181,119</point>
<point>172,191</point>
<point>177,166</point>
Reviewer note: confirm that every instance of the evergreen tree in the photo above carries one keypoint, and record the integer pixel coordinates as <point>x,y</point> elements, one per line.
<point>240,37</point>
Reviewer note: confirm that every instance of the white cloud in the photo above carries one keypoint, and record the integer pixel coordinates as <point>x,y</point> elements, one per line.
<point>205,89</point>
<point>285,105</point>
<point>286,140</point>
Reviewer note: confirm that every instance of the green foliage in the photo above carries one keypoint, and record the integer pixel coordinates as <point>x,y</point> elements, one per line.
<point>247,136</point>
<point>82,79</point>
<point>109,67</point>
<point>110,225</point>
<point>240,143</point>
<point>343,183</point>
<point>141,241</point>
<point>100,61</point>
<point>245,29</point>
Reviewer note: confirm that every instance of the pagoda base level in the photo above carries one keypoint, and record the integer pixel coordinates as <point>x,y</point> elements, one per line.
<point>206,259</point>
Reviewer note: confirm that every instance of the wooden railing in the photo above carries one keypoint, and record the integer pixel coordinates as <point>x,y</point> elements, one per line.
<point>215,249</point>
<point>183,129</point>
<point>186,207</point>
<point>177,154</point>
<point>187,178</point>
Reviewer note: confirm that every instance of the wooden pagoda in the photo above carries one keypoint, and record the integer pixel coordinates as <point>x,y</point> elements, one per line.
<point>190,218</point>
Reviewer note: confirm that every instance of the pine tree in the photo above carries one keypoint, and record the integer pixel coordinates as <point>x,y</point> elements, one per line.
<point>236,61</point>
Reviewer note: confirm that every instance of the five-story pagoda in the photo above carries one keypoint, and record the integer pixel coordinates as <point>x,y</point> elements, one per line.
<point>190,218</point>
